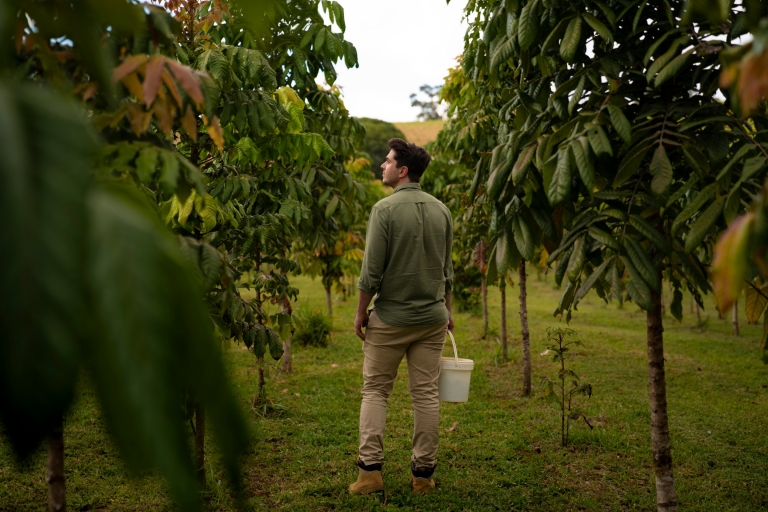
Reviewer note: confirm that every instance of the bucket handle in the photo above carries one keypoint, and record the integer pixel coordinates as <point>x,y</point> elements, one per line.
<point>455,354</point>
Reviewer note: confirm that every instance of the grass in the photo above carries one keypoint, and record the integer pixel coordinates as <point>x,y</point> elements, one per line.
<point>420,132</point>
<point>504,454</point>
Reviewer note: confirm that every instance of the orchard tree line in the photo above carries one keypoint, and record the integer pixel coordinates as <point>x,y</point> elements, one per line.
<point>590,136</point>
<point>166,164</point>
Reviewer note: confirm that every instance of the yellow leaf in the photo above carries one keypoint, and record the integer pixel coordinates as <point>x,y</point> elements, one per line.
<point>731,261</point>
<point>131,82</point>
<point>139,118</point>
<point>216,133</point>
<point>164,112</point>
<point>189,123</point>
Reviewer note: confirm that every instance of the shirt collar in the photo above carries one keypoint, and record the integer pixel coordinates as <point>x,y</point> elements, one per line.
<point>414,186</point>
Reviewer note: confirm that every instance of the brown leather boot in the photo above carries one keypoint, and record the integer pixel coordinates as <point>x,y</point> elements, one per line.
<point>422,480</point>
<point>422,485</point>
<point>367,482</point>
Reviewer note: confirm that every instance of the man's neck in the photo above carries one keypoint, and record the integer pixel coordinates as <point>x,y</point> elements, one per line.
<point>403,181</point>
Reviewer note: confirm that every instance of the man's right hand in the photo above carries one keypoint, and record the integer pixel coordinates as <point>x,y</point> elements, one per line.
<point>361,320</point>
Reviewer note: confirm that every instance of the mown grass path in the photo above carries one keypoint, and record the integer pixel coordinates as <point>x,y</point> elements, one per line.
<point>504,454</point>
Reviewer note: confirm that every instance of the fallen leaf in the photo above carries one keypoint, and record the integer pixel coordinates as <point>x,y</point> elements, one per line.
<point>298,394</point>
<point>453,427</point>
<point>285,390</point>
<point>334,365</point>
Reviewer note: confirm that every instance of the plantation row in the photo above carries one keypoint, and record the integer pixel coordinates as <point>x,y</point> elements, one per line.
<point>173,165</point>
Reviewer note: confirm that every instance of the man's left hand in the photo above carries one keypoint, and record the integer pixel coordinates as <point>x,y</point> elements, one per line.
<point>361,320</point>
<point>450,323</point>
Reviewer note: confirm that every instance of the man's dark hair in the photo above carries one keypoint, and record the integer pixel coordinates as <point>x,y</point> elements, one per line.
<point>412,156</point>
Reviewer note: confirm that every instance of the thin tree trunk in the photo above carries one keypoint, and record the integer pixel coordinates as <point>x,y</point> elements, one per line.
<point>503,288</point>
<point>525,332</point>
<point>260,392</point>
<point>660,445</point>
<point>736,317</point>
<point>484,293</point>
<point>287,361</point>
<point>57,501</point>
<point>698,312</point>
<point>200,444</point>
<point>328,301</point>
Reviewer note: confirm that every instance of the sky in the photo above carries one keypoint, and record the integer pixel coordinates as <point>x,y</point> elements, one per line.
<point>401,45</point>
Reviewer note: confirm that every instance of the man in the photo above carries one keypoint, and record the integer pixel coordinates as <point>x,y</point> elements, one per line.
<point>407,265</point>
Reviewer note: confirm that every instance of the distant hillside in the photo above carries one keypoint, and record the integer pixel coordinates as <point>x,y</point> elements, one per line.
<point>420,132</point>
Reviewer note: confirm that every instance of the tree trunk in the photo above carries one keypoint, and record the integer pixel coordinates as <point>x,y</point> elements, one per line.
<point>662,454</point>
<point>484,293</point>
<point>698,312</point>
<point>56,483</point>
<point>525,332</point>
<point>328,301</point>
<point>287,361</point>
<point>200,444</point>
<point>261,392</point>
<point>736,317</point>
<point>503,288</point>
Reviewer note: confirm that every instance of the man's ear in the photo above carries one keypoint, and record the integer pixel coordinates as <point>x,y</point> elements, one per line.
<point>402,172</point>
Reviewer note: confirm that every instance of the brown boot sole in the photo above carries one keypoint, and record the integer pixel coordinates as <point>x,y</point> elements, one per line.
<point>365,489</point>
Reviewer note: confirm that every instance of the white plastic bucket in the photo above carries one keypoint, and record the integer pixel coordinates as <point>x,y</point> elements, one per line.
<point>454,376</point>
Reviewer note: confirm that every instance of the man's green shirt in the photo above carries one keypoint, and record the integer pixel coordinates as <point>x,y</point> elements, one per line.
<point>407,262</point>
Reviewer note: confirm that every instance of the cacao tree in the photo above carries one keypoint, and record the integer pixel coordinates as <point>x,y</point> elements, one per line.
<point>610,106</point>
<point>98,283</point>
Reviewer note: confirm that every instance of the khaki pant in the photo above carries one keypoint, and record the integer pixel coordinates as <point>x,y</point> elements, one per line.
<point>384,347</point>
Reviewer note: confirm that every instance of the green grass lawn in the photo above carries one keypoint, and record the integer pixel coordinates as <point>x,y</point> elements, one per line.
<point>504,454</point>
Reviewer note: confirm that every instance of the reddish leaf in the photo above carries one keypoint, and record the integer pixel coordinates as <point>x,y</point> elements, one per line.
<point>152,78</point>
<point>164,115</point>
<point>139,118</point>
<point>186,78</point>
<point>128,66</point>
<point>171,86</point>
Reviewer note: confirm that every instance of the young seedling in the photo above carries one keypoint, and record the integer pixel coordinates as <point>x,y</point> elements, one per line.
<point>560,350</point>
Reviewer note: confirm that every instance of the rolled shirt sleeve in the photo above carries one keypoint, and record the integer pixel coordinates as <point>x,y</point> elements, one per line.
<point>375,258</point>
<point>448,266</point>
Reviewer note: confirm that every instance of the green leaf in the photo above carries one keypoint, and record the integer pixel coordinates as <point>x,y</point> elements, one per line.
<point>649,232</point>
<point>503,52</point>
<point>703,224</point>
<point>615,281</point>
<point>630,163</point>
<point>580,149</point>
<point>603,237</point>
<point>665,58</point>
<point>592,280</point>
<point>676,308</point>
<point>743,150</point>
<point>599,142</point>
<point>661,170</point>
<point>169,172</point>
<point>47,150</point>
<point>576,96</point>
<point>643,263</point>
<point>146,164</point>
<point>571,40</point>
<point>637,287</point>
<point>751,166</point>
<point>275,345</point>
<point>693,207</point>
<point>620,123</point>
<point>671,69</point>
<point>154,339</point>
<point>652,49</point>
<point>522,163</point>
<point>528,25</point>
<point>330,208</point>
<point>732,205</point>
<point>598,27</point>
<point>523,237</point>
<point>560,188</point>
<point>577,259</point>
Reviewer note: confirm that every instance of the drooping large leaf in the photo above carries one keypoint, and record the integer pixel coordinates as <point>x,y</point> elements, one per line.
<point>152,340</point>
<point>46,148</point>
